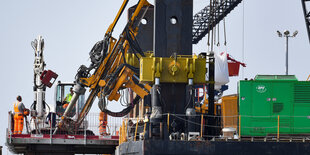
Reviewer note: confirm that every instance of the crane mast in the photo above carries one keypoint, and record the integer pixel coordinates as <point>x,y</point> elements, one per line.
<point>39,87</point>
<point>42,79</point>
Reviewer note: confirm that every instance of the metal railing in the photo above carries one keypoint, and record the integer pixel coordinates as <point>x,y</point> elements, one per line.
<point>275,127</point>
<point>113,124</point>
<point>90,127</point>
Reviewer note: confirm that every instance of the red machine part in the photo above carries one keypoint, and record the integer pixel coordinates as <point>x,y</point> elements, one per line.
<point>48,78</point>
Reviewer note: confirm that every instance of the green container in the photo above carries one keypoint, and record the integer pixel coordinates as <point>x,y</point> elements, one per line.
<point>266,97</point>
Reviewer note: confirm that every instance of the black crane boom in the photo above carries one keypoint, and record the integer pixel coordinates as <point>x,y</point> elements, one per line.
<point>207,18</point>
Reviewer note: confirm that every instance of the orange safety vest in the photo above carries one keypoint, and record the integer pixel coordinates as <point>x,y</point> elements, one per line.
<point>16,110</point>
<point>18,119</point>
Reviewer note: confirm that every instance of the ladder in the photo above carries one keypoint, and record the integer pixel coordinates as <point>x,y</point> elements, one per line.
<point>306,9</point>
<point>207,18</point>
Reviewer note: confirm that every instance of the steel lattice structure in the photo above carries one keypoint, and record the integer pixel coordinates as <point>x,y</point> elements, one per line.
<point>207,18</point>
<point>306,9</point>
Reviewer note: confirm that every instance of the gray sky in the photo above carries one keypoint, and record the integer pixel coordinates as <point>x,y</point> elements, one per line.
<point>70,29</point>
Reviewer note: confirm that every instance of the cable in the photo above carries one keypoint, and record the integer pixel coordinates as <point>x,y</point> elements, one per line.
<point>49,108</point>
<point>113,77</point>
<point>124,111</point>
<point>161,98</point>
<point>31,106</point>
<point>225,39</point>
<point>190,99</point>
<point>123,55</point>
<point>132,45</point>
<point>243,31</point>
<point>133,42</point>
<point>41,86</point>
<point>122,99</point>
<point>218,35</point>
<point>101,103</point>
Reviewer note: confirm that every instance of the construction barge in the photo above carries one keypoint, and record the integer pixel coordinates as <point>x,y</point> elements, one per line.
<point>173,101</point>
<point>28,144</point>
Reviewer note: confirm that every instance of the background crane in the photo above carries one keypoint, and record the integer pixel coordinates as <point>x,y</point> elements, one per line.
<point>306,9</point>
<point>210,16</point>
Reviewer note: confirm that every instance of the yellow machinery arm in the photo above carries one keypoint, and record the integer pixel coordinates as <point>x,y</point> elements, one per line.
<point>112,73</point>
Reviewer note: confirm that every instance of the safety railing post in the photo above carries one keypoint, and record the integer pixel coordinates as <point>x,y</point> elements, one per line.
<point>126,129</point>
<point>239,132</point>
<point>123,130</point>
<point>168,119</point>
<point>51,126</point>
<point>120,135</point>
<point>278,133</point>
<point>144,130</point>
<point>201,125</point>
<point>135,138</point>
<point>84,126</point>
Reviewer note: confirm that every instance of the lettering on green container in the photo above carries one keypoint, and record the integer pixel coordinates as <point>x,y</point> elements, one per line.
<point>261,89</point>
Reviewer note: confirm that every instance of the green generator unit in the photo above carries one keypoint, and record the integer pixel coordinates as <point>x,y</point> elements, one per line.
<point>272,103</point>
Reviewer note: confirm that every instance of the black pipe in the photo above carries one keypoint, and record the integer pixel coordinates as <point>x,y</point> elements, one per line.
<point>190,111</point>
<point>210,120</point>
<point>156,115</point>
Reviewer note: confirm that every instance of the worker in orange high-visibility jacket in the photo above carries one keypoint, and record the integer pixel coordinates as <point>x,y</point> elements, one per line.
<point>103,122</point>
<point>18,115</point>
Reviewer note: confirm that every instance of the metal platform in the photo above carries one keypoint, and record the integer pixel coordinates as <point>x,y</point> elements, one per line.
<point>61,144</point>
<point>154,147</point>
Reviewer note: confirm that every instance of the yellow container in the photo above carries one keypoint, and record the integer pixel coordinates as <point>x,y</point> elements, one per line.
<point>230,111</point>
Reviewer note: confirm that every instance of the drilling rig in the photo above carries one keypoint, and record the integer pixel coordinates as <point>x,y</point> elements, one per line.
<point>42,79</point>
<point>152,60</point>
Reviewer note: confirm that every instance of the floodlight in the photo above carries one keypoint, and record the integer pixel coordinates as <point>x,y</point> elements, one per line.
<point>286,33</point>
<point>279,33</point>
<point>295,34</point>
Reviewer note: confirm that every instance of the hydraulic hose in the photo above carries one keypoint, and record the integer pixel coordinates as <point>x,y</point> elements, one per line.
<point>124,111</point>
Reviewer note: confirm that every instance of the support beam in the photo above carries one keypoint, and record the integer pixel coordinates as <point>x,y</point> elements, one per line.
<point>211,120</point>
<point>173,27</point>
<point>173,36</point>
